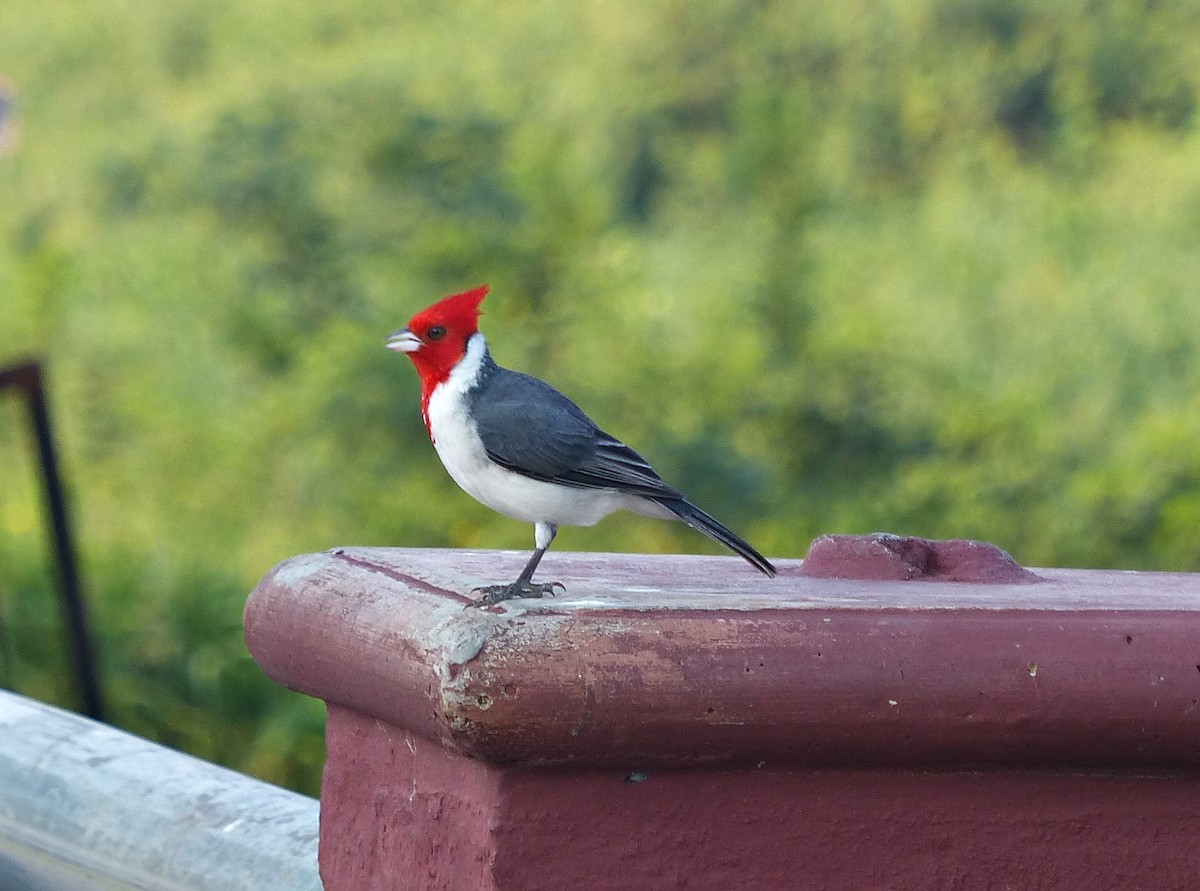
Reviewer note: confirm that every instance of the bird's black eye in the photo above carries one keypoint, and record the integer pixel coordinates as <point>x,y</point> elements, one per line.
<point>437,332</point>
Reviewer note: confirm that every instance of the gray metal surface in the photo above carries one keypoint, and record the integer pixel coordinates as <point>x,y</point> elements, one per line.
<point>86,806</point>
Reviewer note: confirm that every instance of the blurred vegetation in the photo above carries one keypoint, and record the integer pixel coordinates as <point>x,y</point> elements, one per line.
<point>929,267</point>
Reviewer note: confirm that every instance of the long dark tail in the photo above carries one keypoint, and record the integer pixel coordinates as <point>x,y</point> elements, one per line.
<point>701,521</point>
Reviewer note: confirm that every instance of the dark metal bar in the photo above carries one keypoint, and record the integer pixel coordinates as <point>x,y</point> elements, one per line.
<point>28,377</point>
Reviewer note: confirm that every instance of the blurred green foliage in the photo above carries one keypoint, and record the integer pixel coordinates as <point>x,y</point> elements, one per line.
<point>929,267</point>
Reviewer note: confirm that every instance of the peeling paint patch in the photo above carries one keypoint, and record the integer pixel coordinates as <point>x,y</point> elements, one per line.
<point>291,572</point>
<point>465,647</point>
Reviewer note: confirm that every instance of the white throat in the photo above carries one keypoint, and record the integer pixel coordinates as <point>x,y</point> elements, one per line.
<point>459,382</point>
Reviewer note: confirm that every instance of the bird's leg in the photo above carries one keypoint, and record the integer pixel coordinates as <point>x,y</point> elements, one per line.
<point>524,586</point>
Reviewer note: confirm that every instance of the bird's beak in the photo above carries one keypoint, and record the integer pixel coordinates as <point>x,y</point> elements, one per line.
<point>404,341</point>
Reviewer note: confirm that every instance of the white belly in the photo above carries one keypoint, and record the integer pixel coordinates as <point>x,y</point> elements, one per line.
<point>504,491</point>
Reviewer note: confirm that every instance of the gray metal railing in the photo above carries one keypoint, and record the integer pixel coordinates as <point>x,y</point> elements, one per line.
<point>86,806</point>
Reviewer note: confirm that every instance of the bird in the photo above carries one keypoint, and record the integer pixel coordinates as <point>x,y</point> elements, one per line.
<point>523,449</point>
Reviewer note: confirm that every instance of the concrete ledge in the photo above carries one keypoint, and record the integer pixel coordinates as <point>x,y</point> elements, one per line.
<point>401,812</point>
<point>677,661</point>
<point>677,722</point>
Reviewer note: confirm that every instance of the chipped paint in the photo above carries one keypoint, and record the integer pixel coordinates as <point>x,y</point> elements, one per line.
<point>711,665</point>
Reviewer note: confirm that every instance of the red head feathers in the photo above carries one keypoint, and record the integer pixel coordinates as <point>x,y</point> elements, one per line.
<point>458,312</point>
<point>436,337</point>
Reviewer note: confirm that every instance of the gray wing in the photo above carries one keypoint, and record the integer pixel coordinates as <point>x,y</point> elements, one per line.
<point>532,429</point>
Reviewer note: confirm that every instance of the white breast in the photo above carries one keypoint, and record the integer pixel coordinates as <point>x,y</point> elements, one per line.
<point>504,491</point>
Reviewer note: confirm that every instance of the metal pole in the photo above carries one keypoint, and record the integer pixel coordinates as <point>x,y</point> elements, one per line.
<point>29,378</point>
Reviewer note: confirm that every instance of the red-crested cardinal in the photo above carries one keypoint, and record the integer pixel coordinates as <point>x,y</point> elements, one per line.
<point>525,450</point>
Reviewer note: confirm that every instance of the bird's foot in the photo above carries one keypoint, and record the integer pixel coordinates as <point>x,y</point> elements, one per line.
<point>492,594</point>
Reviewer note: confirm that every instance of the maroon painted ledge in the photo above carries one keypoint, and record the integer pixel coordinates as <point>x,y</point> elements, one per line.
<point>814,712</point>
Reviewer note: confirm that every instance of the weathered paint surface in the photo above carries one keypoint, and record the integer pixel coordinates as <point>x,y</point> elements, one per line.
<point>885,557</point>
<point>680,661</point>
<point>399,811</point>
<point>679,722</point>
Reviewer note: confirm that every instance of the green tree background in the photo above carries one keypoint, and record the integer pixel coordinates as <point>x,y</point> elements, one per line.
<point>928,266</point>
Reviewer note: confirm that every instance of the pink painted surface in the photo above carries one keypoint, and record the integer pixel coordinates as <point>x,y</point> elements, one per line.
<point>682,722</point>
<point>884,557</point>
<point>398,811</point>
<point>678,661</point>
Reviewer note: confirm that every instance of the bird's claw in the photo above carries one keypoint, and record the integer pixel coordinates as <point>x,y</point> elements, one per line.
<point>493,594</point>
